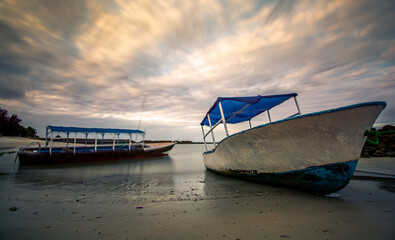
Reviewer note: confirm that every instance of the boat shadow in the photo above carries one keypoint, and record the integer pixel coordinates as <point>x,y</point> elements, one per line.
<point>219,186</point>
<point>385,183</point>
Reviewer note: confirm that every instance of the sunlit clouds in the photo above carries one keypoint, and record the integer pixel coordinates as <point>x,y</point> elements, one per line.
<point>91,63</point>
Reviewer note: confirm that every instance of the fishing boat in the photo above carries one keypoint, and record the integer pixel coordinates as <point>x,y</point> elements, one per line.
<point>316,152</point>
<point>80,154</point>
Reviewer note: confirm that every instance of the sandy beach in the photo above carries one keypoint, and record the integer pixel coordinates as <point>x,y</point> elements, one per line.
<point>175,197</point>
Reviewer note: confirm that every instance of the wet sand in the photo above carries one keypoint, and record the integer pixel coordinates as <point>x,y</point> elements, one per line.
<point>174,197</point>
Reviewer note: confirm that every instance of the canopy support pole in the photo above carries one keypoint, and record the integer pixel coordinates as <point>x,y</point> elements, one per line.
<point>96,143</point>
<point>204,138</point>
<point>75,139</point>
<point>241,110</point>
<point>215,125</point>
<point>268,114</point>
<point>223,119</point>
<point>249,121</point>
<point>145,130</point>
<point>297,105</point>
<point>102,138</point>
<point>86,138</point>
<point>130,140</point>
<point>212,132</point>
<point>50,144</point>
<point>46,137</point>
<point>113,143</point>
<point>67,142</point>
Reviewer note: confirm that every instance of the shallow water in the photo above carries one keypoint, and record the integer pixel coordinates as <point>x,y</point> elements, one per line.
<point>184,158</point>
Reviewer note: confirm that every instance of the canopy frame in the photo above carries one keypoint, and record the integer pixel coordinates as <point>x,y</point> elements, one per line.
<point>245,103</point>
<point>67,130</point>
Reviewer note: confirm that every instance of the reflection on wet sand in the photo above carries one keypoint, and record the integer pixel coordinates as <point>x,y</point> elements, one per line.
<point>78,172</point>
<point>121,181</point>
<point>124,166</point>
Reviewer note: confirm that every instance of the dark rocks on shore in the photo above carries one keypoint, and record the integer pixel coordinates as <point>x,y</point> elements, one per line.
<point>385,147</point>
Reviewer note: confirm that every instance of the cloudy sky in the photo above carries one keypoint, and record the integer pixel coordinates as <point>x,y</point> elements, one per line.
<point>96,63</point>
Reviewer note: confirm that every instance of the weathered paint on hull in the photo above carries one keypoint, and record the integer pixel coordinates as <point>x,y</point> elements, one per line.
<point>68,157</point>
<point>321,179</point>
<point>296,144</point>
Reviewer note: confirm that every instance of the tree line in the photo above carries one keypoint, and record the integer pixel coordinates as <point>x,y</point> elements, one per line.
<point>12,126</point>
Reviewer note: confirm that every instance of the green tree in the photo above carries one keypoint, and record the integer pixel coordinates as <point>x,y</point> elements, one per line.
<point>31,132</point>
<point>4,119</point>
<point>12,125</point>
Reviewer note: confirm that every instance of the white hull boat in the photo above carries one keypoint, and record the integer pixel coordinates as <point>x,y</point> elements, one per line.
<point>315,152</point>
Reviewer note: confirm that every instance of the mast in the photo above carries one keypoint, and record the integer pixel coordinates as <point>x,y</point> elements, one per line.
<point>141,113</point>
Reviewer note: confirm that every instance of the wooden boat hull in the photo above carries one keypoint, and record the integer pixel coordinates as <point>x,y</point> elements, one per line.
<point>314,152</point>
<point>32,156</point>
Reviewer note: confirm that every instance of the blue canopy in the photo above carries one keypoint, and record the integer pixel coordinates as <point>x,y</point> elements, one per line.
<point>240,109</point>
<point>93,130</point>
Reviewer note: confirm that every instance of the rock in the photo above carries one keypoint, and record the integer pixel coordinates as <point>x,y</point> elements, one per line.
<point>13,209</point>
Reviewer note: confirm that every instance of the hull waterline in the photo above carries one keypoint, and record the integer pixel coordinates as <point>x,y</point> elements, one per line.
<point>320,179</point>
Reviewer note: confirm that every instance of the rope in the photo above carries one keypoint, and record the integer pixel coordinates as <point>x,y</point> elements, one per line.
<point>30,144</point>
<point>376,134</point>
<point>10,152</point>
<point>23,148</point>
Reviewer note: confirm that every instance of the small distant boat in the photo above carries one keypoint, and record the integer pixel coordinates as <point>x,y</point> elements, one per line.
<point>82,154</point>
<point>316,152</point>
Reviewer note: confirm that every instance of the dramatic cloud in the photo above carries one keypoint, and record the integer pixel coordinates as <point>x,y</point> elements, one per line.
<point>92,63</point>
